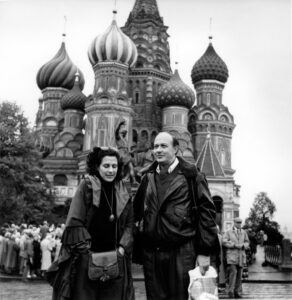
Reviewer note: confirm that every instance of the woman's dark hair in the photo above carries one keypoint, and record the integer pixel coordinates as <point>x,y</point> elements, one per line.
<point>94,159</point>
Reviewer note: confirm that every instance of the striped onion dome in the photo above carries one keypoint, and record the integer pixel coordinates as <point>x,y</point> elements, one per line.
<point>59,72</point>
<point>74,99</point>
<point>210,66</point>
<point>113,45</point>
<point>175,92</point>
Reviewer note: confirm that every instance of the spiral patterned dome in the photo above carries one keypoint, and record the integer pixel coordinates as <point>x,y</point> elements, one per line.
<point>175,92</point>
<point>74,99</point>
<point>58,72</point>
<point>113,45</point>
<point>210,66</point>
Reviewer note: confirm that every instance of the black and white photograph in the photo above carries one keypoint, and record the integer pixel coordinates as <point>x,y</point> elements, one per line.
<point>145,149</point>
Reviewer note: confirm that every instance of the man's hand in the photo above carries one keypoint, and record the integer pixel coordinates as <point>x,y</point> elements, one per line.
<point>121,250</point>
<point>203,269</point>
<point>239,246</point>
<point>204,263</point>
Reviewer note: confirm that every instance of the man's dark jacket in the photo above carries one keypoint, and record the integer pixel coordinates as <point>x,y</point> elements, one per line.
<point>186,211</point>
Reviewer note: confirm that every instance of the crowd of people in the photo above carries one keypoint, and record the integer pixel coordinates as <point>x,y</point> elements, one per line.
<point>29,250</point>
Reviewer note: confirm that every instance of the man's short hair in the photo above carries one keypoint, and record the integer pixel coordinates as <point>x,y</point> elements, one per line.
<point>175,142</point>
<point>237,220</point>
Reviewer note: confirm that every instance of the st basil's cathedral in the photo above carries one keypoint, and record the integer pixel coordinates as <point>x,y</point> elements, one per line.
<point>135,96</point>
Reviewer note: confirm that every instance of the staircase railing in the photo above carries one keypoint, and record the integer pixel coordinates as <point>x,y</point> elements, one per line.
<point>273,254</point>
<point>279,255</point>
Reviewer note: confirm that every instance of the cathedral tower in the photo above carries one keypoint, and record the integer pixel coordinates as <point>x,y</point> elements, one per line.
<point>111,54</point>
<point>59,121</point>
<point>54,79</point>
<point>211,125</point>
<point>209,76</point>
<point>175,99</point>
<point>146,28</point>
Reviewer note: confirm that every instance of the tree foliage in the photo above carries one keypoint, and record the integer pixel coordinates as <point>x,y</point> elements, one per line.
<point>260,218</point>
<point>24,189</point>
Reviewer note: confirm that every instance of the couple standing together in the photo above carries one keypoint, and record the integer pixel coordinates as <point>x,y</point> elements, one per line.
<point>175,213</point>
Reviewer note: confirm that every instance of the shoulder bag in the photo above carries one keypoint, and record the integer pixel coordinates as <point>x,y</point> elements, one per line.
<point>103,266</point>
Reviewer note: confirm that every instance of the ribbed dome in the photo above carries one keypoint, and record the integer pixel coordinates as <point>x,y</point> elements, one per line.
<point>74,99</point>
<point>113,45</point>
<point>175,92</point>
<point>210,66</point>
<point>58,72</point>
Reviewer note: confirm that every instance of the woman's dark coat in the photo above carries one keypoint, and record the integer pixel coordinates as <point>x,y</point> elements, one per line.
<point>68,275</point>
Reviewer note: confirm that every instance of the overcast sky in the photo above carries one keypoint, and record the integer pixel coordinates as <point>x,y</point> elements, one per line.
<point>253,37</point>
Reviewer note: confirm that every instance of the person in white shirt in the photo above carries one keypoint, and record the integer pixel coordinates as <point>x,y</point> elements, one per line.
<point>174,206</point>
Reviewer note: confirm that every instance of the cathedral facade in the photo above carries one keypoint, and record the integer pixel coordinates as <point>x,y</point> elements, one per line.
<point>135,96</point>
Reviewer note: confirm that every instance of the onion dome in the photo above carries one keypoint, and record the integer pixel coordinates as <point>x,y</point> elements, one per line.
<point>58,72</point>
<point>210,66</point>
<point>175,92</point>
<point>74,99</point>
<point>113,45</point>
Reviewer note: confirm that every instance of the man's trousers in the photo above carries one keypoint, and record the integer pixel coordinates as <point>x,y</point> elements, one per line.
<point>234,278</point>
<point>166,272</point>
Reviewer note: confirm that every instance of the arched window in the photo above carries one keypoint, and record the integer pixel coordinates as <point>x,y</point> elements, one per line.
<point>192,119</point>
<point>144,136</point>
<point>73,121</point>
<point>199,99</point>
<point>208,99</point>
<point>102,131</point>
<point>218,202</point>
<point>208,116</point>
<point>222,157</point>
<point>223,119</point>
<point>137,97</point>
<point>178,119</point>
<point>139,64</point>
<point>157,67</point>
<point>135,136</point>
<point>60,179</point>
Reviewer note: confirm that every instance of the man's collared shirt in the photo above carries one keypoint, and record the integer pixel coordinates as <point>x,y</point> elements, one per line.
<point>171,167</point>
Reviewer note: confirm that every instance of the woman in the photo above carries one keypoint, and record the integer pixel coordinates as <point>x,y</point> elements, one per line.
<point>100,219</point>
<point>37,255</point>
<point>46,248</point>
<point>12,253</point>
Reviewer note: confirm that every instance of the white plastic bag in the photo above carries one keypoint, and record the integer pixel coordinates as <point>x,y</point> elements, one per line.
<point>203,287</point>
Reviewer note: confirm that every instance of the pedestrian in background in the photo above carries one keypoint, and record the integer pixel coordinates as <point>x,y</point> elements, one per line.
<point>236,242</point>
<point>37,255</point>
<point>28,246</point>
<point>44,229</point>
<point>46,248</point>
<point>12,253</point>
<point>2,232</point>
<point>5,249</point>
<point>22,251</point>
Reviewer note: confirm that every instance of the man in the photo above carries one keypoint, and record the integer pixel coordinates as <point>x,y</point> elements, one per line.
<point>175,211</point>
<point>236,242</point>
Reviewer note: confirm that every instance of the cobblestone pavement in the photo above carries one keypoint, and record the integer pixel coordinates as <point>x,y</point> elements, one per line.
<point>39,290</point>
<point>18,290</point>
<point>261,291</point>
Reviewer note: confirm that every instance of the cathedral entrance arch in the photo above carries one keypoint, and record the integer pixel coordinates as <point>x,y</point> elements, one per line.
<point>218,201</point>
